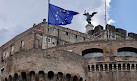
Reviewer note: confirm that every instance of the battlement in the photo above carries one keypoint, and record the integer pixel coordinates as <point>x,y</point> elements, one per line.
<point>111,33</point>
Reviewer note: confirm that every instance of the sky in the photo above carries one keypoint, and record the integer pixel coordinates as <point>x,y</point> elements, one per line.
<point>124,13</point>
<point>17,16</point>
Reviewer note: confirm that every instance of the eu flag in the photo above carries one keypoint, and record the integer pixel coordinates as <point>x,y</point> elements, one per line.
<point>59,16</point>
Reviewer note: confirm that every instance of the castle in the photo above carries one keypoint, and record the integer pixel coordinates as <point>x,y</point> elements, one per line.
<point>55,53</point>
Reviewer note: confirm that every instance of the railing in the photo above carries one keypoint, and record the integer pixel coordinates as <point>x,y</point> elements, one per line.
<point>132,66</point>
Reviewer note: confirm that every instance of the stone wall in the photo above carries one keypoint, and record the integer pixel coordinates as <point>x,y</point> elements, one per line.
<point>110,48</point>
<point>113,76</point>
<point>41,60</point>
<point>68,59</point>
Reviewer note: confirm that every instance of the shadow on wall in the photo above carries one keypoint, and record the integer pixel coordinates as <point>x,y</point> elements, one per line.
<point>93,52</point>
<point>127,51</point>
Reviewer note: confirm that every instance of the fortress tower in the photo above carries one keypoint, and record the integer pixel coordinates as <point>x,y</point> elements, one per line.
<point>89,28</point>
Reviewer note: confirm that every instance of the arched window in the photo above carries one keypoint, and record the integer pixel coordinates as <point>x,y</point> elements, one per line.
<point>119,66</point>
<point>41,72</point>
<point>128,66</point>
<point>32,73</point>
<point>24,78</point>
<point>93,68</point>
<point>32,76</point>
<point>81,79</point>
<point>136,66</point>
<point>106,67</point>
<point>60,76</point>
<point>88,67</point>
<point>50,74</point>
<point>41,75</point>
<point>132,67</point>
<point>36,43</point>
<point>10,78</point>
<point>127,51</point>
<point>6,79</point>
<point>115,67</point>
<point>22,43</point>
<point>101,67</point>
<point>15,77</point>
<point>97,68</point>
<point>94,52</point>
<point>110,66</point>
<point>124,66</point>
<point>75,78</point>
<point>68,77</point>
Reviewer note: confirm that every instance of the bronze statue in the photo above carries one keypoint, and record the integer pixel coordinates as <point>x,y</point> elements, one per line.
<point>89,16</point>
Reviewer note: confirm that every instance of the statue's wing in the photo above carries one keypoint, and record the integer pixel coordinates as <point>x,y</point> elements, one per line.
<point>93,14</point>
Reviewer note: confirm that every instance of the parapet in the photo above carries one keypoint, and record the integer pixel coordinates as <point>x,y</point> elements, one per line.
<point>98,28</point>
<point>122,32</point>
<point>111,32</point>
<point>132,35</point>
<point>110,28</point>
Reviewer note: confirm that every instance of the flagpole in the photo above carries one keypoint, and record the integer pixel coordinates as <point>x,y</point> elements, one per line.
<point>105,14</point>
<point>47,29</point>
<point>106,19</point>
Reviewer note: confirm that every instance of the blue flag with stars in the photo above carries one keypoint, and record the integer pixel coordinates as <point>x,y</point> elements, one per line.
<point>59,16</point>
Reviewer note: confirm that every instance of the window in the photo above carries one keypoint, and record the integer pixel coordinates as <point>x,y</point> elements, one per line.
<point>110,66</point>
<point>115,67</point>
<point>68,77</point>
<point>106,67</point>
<point>2,70</point>
<point>101,67</point>
<point>4,54</point>
<point>76,36</point>
<point>22,43</point>
<point>119,66</point>
<point>124,66</point>
<point>92,67</point>
<point>7,54</point>
<point>50,75</point>
<point>67,33</point>
<point>23,75</point>
<point>49,29</point>
<point>36,43</point>
<point>12,49</point>
<point>97,68</point>
<point>75,78</point>
<point>84,38</point>
<point>128,66</point>
<point>88,67</point>
<point>59,76</point>
<point>81,79</point>
<point>48,39</point>
<point>132,66</point>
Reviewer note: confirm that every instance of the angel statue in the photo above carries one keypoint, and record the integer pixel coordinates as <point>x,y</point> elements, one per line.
<point>89,16</point>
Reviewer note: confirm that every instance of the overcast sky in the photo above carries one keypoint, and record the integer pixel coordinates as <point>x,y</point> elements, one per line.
<point>17,16</point>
